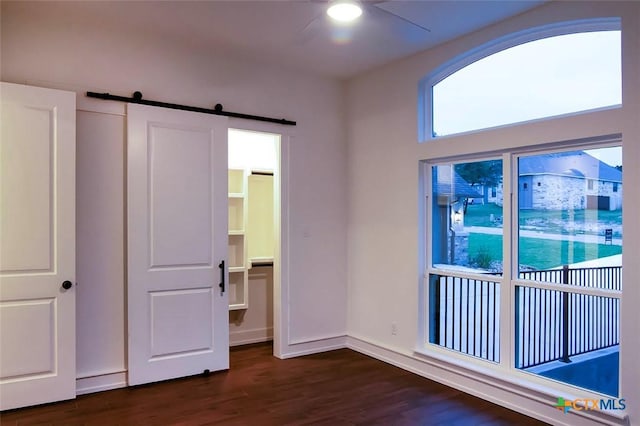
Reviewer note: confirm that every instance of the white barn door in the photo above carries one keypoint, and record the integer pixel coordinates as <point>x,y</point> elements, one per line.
<point>37,246</point>
<point>177,240</point>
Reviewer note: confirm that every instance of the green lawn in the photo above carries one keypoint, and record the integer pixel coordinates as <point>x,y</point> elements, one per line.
<point>540,253</point>
<point>478,214</point>
<point>550,221</point>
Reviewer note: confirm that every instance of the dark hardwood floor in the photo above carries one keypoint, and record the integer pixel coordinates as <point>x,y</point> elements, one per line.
<point>334,388</point>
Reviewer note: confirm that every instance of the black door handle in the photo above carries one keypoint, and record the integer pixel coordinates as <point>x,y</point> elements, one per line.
<point>67,285</point>
<point>221,285</point>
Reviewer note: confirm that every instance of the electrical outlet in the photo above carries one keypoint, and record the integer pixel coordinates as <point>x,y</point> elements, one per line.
<point>394,329</point>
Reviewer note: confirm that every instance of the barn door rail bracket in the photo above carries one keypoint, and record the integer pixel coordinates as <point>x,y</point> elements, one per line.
<point>217,110</point>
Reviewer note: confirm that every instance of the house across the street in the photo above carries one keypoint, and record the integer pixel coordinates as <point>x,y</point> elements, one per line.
<point>567,181</point>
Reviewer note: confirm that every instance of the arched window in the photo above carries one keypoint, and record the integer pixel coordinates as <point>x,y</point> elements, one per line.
<point>507,222</point>
<point>545,72</point>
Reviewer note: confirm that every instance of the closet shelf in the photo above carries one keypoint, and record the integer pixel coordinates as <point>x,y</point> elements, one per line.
<point>237,307</point>
<point>261,261</point>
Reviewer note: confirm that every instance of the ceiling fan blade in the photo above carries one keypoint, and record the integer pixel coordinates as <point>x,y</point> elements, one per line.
<point>378,9</point>
<point>312,30</point>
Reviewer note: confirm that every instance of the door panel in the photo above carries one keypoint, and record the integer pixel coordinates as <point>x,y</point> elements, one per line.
<point>526,192</point>
<point>168,319</point>
<point>181,200</point>
<point>33,356</point>
<point>177,227</point>
<point>37,246</point>
<point>26,226</point>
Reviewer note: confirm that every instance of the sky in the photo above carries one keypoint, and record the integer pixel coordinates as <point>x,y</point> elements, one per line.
<point>543,78</point>
<point>611,156</point>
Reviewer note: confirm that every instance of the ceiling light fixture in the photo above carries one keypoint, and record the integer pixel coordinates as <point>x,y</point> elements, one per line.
<point>344,10</point>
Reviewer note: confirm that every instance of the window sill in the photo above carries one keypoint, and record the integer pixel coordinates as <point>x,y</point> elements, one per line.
<point>515,382</point>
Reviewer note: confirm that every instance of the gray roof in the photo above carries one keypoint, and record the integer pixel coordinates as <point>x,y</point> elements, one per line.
<point>458,188</point>
<point>571,164</point>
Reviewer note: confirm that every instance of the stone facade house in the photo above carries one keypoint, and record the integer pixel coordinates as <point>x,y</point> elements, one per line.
<point>566,181</point>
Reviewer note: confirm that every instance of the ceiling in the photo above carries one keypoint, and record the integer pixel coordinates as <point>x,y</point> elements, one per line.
<point>298,34</point>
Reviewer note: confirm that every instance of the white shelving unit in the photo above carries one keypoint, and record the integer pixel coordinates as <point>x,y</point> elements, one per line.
<point>251,230</point>
<point>238,267</point>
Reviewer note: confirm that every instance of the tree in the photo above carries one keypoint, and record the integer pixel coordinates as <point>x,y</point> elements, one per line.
<point>481,173</point>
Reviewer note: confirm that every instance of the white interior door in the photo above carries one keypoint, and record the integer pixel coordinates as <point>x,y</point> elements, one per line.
<point>37,246</point>
<point>177,238</point>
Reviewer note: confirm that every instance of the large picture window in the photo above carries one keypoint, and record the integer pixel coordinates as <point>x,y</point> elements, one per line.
<point>523,264</point>
<point>565,278</point>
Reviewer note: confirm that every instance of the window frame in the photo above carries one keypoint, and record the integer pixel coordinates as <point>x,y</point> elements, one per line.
<point>571,131</point>
<point>514,280</point>
<point>509,279</point>
<point>425,86</point>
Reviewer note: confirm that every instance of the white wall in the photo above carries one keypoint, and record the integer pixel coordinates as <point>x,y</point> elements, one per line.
<point>100,239</point>
<point>384,241</point>
<point>70,46</point>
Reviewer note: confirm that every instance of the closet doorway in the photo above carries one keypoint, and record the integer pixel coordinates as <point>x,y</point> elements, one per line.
<point>254,237</point>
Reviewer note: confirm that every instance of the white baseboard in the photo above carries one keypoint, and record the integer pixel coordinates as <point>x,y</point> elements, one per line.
<point>246,337</point>
<point>502,392</point>
<point>102,382</point>
<point>313,346</point>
